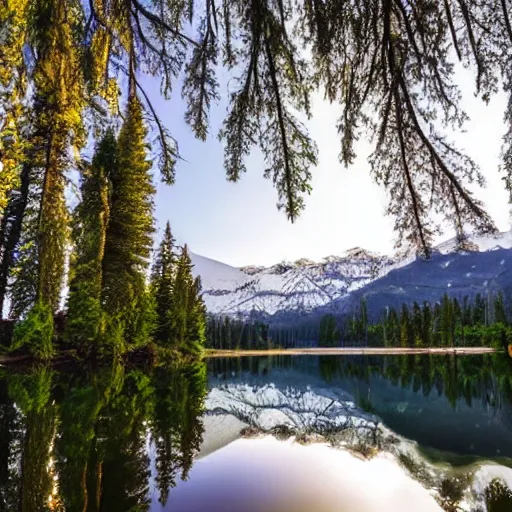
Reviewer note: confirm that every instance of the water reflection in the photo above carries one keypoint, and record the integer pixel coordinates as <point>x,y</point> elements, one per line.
<point>123,439</point>
<point>83,441</point>
<point>461,405</point>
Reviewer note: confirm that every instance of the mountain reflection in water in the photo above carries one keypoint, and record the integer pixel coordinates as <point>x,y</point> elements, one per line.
<point>124,439</point>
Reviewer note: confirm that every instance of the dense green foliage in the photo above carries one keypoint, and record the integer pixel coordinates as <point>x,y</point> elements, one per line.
<point>130,226</point>
<point>87,432</point>
<point>36,332</point>
<point>111,308</point>
<point>448,323</point>
<point>180,311</point>
<point>85,314</point>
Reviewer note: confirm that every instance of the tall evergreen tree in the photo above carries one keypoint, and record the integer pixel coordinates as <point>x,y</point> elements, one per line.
<point>128,238</point>
<point>328,333</point>
<point>417,324</point>
<point>162,284</point>
<point>197,322</point>
<point>405,327</point>
<point>188,317</point>
<point>92,216</point>
<point>427,326</point>
<point>58,105</point>
<point>499,309</point>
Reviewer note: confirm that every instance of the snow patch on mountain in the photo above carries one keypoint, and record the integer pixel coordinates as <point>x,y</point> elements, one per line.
<point>304,285</point>
<point>300,286</point>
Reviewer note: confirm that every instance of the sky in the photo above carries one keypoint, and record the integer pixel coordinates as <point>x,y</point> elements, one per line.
<point>239,224</point>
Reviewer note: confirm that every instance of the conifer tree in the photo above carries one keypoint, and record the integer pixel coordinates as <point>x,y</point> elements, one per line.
<point>128,238</point>
<point>162,284</point>
<point>446,320</point>
<point>426,325</point>
<point>328,331</point>
<point>197,322</point>
<point>405,327</point>
<point>84,317</point>
<point>499,309</point>
<point>417,324</point>
<point>181,299</point>
<point>58,105</point>
<point>188,317</point>
<point>393,329</point>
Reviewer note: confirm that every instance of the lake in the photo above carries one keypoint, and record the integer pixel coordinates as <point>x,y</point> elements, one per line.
<point>262,434</point>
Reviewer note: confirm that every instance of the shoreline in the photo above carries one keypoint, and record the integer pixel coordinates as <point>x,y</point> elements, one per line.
<point>348,351</point>
<point>70,355</point>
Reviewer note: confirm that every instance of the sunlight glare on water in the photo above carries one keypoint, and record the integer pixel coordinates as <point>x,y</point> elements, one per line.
<point>267,475</point>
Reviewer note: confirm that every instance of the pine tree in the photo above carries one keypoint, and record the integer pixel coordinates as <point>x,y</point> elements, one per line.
<point>405,327</point>
<point>363,316</point>
<point>447,321</point>
<point>182,300</point>
<point>84,319</point>
<point>58,104</point>
<point>328,333</point>
<point>128,238</point>
<point>197,318</point>
<point>417,324</point>
<point>427,325</point>
<point>479,310</point>
<point>162,284</point>
<point>499,309</point>
<point>188,314</point>
<point>393,328</point>
<point>456,321</point>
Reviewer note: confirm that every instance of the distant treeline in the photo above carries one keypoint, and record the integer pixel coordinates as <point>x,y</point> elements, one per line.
<point>450,322</point>
<point>225,333</point>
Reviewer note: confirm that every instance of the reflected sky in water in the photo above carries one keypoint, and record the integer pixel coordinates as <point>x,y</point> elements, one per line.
<point>267,475</point>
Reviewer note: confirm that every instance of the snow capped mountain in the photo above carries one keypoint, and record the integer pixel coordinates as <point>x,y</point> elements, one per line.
<point>338,282</point>
<point>299,286</point>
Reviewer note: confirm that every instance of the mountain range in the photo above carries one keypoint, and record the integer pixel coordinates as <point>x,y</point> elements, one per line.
<point>338,283</point>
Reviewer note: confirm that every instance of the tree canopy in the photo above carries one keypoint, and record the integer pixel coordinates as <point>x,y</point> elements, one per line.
<point>389,65</point>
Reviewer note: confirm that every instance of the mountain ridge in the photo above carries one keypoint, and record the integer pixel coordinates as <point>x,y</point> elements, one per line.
<point>304,287</point>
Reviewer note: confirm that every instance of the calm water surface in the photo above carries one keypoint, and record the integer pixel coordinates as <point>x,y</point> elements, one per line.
<point>130,439</point>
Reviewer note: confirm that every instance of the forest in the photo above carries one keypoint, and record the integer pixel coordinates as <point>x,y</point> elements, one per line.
<point>450,322</point>
<point>79,135</point>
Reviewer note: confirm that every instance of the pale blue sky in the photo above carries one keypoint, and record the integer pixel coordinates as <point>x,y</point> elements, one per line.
<point>238,223</point>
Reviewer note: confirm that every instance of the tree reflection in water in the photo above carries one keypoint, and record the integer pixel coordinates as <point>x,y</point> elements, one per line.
<point>80,440</point>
